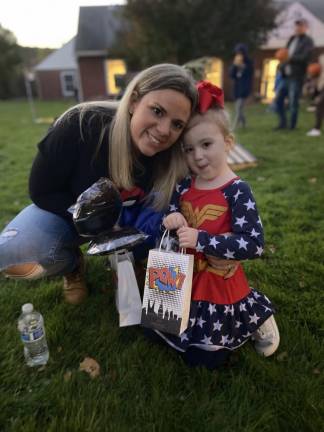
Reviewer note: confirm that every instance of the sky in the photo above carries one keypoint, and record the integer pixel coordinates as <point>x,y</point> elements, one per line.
<point>44,23</point>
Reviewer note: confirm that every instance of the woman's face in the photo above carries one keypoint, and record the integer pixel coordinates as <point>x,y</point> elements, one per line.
<point>158,119</point>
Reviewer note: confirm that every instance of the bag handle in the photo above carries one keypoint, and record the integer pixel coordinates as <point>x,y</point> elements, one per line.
<point>182,250</point>
<point>168,238</point>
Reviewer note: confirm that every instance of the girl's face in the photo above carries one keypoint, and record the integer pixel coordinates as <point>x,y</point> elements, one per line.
<point>206,149</point>
<point>158,119</point>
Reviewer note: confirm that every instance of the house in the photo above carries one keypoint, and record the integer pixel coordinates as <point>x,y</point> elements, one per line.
<point>57,75</point>
<point>98,68</point>
<point>87,66</point>
<point>96,51</point>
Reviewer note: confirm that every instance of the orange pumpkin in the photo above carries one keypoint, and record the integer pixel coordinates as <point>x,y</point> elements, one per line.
<point>314,69</point>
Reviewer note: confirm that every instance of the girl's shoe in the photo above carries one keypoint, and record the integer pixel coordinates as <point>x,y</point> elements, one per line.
<point>314,133</point>
<point>266,338</point>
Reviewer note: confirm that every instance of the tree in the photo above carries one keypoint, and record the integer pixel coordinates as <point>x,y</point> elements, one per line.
<point>180,30</point>
<point>10,64</point>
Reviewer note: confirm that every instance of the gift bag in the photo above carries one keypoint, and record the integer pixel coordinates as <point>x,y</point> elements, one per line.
<point>167,291</point>
<point>128,300</point>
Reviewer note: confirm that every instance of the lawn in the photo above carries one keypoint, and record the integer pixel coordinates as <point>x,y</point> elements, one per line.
<point>143,387</point>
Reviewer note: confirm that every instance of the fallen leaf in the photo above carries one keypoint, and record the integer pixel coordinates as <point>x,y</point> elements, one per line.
<point>312,180</point>
<point>90,366</point>
<point>272,249</point>
<point>316,371</point>
<point>67,376</point>
<point>282,356</point>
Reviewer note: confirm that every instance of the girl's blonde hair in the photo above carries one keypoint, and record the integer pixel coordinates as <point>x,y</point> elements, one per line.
<point>219,116</point>
<point>169,165</point>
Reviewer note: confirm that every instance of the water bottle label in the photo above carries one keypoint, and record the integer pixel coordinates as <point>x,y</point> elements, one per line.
<point>32,336</point>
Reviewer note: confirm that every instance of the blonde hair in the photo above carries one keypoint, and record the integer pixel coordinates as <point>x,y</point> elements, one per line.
<point>169,165</point>
<point>219,116</point>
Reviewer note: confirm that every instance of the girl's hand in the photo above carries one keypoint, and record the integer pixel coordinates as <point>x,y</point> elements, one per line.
<point>187,237</point>
<point>230,266</point>
<point>174,221</point>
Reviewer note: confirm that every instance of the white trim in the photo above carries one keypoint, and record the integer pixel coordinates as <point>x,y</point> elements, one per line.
<point>64,90</point>
<point>91,53</point>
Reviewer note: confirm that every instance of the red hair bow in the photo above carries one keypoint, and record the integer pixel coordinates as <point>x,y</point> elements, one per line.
<point>209,95</point>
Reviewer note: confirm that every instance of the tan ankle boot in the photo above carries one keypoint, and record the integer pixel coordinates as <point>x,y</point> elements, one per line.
<point>74,289</point>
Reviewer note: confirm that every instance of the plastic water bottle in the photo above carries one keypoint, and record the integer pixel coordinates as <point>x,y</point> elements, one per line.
<point>32,333</point>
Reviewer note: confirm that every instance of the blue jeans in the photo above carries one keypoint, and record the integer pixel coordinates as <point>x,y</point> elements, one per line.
<point>38,236</point>
<point>42,237</point>
<point>239,113</point>
<point>292,88</point>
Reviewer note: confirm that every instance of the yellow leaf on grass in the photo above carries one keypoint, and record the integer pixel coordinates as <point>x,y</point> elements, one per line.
<point>90,366</point>
<point>282,356</point>
<point>67,376</point>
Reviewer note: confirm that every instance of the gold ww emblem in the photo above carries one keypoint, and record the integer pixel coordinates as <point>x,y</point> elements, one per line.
<point>196,218</point>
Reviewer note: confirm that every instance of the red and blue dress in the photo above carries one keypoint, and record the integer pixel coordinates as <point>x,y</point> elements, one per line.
<point>224,313</point>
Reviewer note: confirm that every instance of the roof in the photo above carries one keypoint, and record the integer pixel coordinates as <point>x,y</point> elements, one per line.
<point>98,29</point>
<point>61,59</point>
<point>316,7</point>
<point>290,12</point>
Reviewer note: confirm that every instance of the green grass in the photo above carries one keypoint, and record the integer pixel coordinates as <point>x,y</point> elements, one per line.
<point>147,387</point>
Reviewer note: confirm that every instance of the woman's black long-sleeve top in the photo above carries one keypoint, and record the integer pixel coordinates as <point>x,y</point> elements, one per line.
<point>68,162</point>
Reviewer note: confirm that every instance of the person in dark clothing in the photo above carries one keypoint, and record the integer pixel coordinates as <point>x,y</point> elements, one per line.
<point>241,73</point>
<point>137,147</point>
<point>300,47</point>
<point>319,100</point>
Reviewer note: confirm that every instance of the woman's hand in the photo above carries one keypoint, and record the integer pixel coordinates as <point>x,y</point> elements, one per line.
<point>229,267</point>
<point>187,237</point>
<point>174,221</point>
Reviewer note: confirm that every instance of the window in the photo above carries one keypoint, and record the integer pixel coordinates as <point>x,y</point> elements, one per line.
<point>68,83</point>
<point>115,69</point>
<point>214,71</point>
<point>268,79</point>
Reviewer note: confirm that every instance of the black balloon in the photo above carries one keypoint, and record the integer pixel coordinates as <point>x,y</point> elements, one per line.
<point>116,239</point>
<point>97,209</point>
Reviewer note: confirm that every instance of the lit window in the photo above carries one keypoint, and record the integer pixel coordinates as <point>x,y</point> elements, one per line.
<point>268,79</point>
<point>214,71</point>
<point>114,70</point>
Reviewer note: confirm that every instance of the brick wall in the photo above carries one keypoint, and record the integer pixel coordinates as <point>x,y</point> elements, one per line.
<point>92,77</point>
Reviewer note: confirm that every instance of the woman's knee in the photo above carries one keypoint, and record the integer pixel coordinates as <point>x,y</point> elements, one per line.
<point>37,243</point>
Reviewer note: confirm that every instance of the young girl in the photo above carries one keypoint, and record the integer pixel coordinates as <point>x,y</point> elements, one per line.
<point>214,213</point>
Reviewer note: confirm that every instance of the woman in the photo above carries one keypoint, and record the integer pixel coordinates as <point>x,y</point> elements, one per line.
<point>137,147</point>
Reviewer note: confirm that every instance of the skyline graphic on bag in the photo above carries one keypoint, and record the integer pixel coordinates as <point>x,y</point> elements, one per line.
<point>167,291</point>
